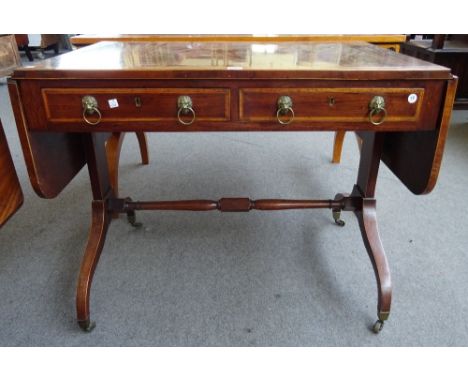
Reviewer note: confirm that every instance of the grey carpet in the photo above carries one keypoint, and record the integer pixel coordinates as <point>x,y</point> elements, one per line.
<point>257,279</point>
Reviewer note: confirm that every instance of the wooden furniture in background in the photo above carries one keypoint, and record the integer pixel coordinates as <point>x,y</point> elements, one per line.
<point>446,50</point>
<point>399,106</point>
<point>22,40</point>
<point>391,42</point>
<point>11,196</point>
<point>9,55</point>
<point>50,41</point>
<point>47,42</point>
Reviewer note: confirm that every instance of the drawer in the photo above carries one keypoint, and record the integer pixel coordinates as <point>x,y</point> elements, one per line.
<point>330,104</point>
<point>136,104</point>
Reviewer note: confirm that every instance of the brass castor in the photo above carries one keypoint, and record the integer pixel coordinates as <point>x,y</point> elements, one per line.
<point>336,217</point>
<point>87,325</point>
<point>378,326</point>
<point>131,217</point>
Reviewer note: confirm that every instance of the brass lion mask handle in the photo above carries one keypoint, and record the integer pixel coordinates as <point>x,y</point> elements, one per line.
<point>185,107</point>
<point>90,107</point>
<point>285,112</point>
<point>377,111</point>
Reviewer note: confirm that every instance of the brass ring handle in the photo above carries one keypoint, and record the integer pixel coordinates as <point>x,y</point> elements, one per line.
<point>375,112</point>
<point>185,106</point>
<point>90,106</point>
<point>283,111</point>
<point>90,111</point>
<point>377,108</point>
<point>186,110</point>
<point>285,105</point>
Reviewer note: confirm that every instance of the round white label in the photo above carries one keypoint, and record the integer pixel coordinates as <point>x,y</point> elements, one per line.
<point>412,98</point>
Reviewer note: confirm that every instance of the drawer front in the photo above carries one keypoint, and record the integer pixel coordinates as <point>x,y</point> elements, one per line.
<point>330,104</point>
<point>139,105</point>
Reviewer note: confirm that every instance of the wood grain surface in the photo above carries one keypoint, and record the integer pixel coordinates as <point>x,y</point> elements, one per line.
<point>11,196</point>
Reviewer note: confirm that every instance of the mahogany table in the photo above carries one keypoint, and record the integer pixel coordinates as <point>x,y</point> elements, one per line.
<point>67,107</point>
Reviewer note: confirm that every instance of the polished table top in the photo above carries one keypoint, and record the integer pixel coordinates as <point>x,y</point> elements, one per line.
<point>87,39</point>
<point>234,60</point>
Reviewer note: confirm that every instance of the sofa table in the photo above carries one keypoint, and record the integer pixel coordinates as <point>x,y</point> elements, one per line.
<point>68,106</point>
